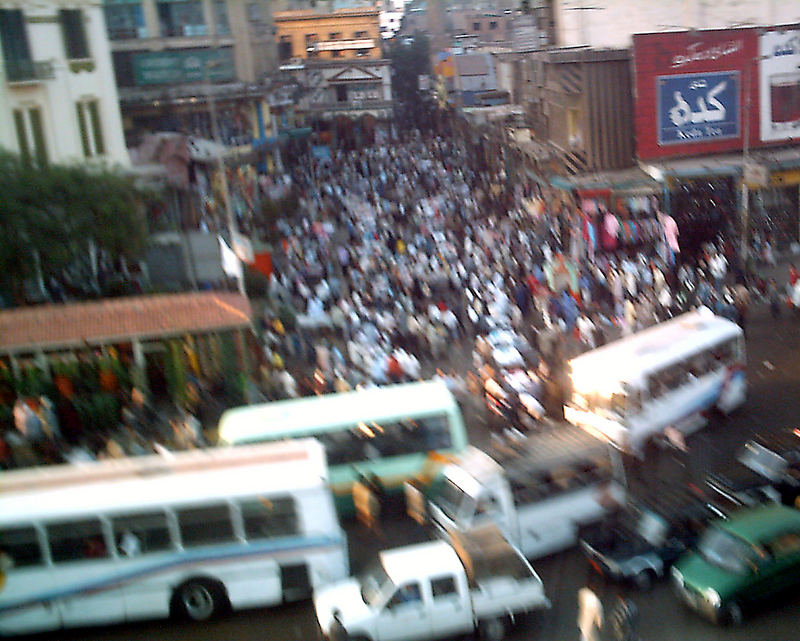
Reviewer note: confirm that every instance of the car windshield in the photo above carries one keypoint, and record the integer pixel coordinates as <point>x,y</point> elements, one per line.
<point>375,582</point>
<point>726,551</point>
<point>449,498</point>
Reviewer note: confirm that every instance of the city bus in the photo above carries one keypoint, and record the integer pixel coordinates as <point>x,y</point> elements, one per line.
<point>189,535</point>
<point>669,375</point>
<point>394,432</point>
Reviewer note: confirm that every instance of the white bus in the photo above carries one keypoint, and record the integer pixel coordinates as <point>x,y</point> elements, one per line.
<point>668,375</point>
<point>392,432</point>
<point>151,537</point>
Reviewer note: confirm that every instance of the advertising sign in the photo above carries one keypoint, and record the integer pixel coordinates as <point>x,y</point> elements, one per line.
<point>779,76</point>
<point>188,65</point>
<point>698,107</point>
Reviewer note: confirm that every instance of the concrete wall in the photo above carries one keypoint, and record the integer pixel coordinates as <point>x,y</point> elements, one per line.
<point>611,23</point>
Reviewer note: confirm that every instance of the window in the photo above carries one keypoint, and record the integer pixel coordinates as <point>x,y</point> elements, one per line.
<point>223,26</point>
<point>30,135</point>
<point>376,440</point>
<point>74,32</point>
<point>311,40</point>
<point>360,34</point>
<point>14,39</point>
<point>184,18</point>
<point>574,136</point>
<point>205,525</point>
<point>341,96</point>
<point>334,35</point>
<point>336,54</point>
<point>476,26</point>
<point>90,128</point>
<point>125,21</point>
<point>408,593</point>
<point>443,586</point>
<point>493,25</point>
<point>285,48</point>
<point>267,518</point>
<point>77,541</point>
<point>141,533</point>
<point>21,546</point>
<point>254,13</point>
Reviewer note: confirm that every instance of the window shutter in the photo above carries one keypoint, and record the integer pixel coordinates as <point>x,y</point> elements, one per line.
<point>87,150</point>
<point>74,32</point>
<point>22,138</point>
<point>38,136</point>
<point>94,113</point>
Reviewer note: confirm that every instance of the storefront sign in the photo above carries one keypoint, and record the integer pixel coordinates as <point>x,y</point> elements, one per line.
<point>785,178</point>
<point>698,107</point>
<point>176,67</point>
<point>779,76</point>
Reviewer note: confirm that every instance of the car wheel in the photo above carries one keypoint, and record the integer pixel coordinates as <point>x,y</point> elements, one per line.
<point>644,580</point>
<point>198,600</point>
<point>733,614</point>
<point>493,630</point>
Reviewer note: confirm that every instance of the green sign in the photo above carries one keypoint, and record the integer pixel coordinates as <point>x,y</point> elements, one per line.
<point>188,65</point>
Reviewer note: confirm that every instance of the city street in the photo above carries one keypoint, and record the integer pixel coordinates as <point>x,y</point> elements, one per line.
<point>774,375</point>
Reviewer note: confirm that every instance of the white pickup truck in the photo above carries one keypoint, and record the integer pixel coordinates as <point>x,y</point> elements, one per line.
<point>434,590</point>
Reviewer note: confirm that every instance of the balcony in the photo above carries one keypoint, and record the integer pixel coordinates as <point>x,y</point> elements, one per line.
<point>341,45</point>
<point>29,71</point>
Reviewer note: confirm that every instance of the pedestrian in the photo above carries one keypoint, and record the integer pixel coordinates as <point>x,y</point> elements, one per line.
<point>774,298</point>
<point>590,614</point>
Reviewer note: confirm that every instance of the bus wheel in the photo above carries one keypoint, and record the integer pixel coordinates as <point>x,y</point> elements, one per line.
<point>198,600</point>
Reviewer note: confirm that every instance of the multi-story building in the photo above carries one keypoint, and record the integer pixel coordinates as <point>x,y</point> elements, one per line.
<point>169,55</point>
<point>58,103</point>
<point>336,57</point>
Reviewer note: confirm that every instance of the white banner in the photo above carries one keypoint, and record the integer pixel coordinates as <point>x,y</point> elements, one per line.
<point>779,84</point>
<point>231,264</point>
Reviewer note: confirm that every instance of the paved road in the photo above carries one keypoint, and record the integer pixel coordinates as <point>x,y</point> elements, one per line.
<point>774,375</point>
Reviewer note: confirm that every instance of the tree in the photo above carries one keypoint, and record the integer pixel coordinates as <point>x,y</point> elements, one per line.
<point>410,59</point>
<point>52,216</point>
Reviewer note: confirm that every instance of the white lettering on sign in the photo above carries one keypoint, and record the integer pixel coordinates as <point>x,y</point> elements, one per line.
<point>709,108</point>
<point>695,53</point>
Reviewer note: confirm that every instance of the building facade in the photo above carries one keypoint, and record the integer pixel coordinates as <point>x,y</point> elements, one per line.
<point>58,101</point>
<point>170,55</point>
<point>337,59</point>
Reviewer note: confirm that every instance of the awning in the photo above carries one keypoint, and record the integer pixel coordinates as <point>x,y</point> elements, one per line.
<point>631,181</point>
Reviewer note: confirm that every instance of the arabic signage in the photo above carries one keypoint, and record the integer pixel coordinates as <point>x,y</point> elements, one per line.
<point>188,65</point>
<point>698,107</point>
<point>691,91</point>
<point>779,80</point>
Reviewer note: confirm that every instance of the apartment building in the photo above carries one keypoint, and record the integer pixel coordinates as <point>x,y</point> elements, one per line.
<point>170,55</point>
<point>58,102</point>
<point>336,57</point>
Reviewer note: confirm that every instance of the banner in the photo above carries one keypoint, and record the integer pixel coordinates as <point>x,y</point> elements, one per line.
<point>698,107</point>
<point>779,78</point>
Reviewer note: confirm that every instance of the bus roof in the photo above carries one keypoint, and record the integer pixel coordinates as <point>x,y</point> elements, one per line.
<point>331,412</point>
<point>629,358</point>
<point>151,481</point>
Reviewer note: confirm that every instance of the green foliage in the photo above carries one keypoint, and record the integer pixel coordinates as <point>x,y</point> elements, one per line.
<point>99,412</point>
<point>176,372</point>
<point>55,212</point>
<point>409,61</point>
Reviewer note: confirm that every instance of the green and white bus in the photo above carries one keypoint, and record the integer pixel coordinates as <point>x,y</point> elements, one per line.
<point>398,433</point>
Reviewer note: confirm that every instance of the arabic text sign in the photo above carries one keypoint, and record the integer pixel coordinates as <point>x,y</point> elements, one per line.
<point>698,107</point>
<point>190,65</point>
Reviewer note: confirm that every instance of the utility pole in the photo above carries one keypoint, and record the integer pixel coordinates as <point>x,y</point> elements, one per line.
<point>745,245</point>
<point>226,197</point>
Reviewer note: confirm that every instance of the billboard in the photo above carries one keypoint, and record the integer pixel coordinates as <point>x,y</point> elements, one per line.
<point>186,65</point>
<point>779,80</point>
<point>691,91</point>
<point>698,107</point>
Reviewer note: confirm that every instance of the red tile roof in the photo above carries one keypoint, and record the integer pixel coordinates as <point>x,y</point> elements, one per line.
<point>50,327</point>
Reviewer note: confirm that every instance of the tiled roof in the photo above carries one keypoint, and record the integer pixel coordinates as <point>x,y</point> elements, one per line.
<point>50,327</point>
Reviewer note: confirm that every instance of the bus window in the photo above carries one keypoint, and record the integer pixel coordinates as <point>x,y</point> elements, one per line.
<point>268,518</point>
<point>205,525</point>
<point>141,533</point>
<point>77,541</point>
<point>21,546</point>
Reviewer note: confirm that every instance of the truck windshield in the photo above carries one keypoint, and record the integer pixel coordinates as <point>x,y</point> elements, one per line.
<point>449,498</point>
<point>728,552</point>
<point>375,582</point>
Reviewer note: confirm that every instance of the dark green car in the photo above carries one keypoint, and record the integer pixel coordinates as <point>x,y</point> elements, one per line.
<point>741,562</point>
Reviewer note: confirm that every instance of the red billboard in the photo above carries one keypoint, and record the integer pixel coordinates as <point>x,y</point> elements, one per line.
<point>694,92</point>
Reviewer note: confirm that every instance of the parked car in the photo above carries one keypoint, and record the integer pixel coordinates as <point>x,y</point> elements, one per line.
<point>741,563</point>
<point>640,543</point>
